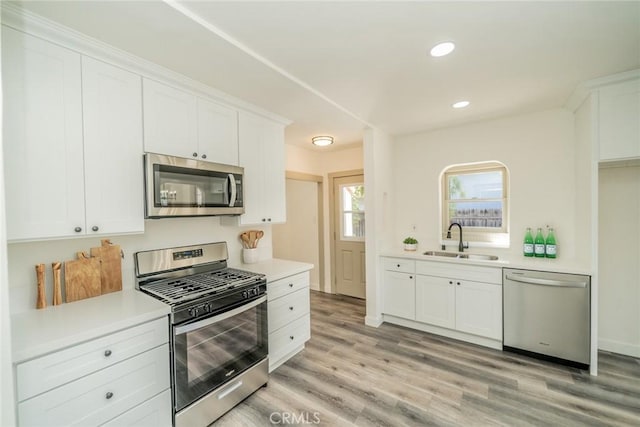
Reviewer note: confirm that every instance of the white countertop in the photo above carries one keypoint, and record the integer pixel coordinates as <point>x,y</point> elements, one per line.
<point>276,268</point>
<point>540,264</point>
<point>38,332</point>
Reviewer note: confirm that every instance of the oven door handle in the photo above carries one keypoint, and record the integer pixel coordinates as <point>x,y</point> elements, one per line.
<point>211,320</point>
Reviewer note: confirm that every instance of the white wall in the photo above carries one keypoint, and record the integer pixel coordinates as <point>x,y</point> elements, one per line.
<point>539,151</point>
<point>158,234</point>
<point>380,198</point>
<point>7,408</point>
<point>298,238</point>
<point>619,259</point>
<point>323,163</point>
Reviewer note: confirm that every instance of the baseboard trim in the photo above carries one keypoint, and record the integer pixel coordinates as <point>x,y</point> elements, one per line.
<point>374,321</point>
<point>618,347</point>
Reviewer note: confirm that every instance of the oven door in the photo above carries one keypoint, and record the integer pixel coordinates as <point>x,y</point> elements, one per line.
<point>211,351</point>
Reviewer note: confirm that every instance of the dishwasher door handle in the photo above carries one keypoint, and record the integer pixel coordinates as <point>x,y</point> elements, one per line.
<point>546,282</point>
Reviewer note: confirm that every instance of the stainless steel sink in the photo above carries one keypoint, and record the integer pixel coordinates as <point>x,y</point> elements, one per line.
<point>480,257</point>
<point>445,254</point>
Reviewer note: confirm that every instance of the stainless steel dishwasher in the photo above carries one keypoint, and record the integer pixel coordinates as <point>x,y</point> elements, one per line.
<point>547,315</point>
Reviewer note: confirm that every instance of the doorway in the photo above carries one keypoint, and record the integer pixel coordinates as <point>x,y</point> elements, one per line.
<point>300,238</point>
<point>347,206</point>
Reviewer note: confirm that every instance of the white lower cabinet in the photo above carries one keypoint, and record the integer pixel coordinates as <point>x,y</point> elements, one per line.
<point>399,294</point>
<point>436,301</point>
<point>155,412</point>
<point>120,375</point>
<point>456,300</point>
<point>289,317</point>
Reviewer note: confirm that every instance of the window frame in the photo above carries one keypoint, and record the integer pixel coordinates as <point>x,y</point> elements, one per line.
<point>481,236</point>
<point>344,238</point>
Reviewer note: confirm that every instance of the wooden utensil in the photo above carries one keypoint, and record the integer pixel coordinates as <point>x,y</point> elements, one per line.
<point>252,238</point>
<point>82,277</point>
<point>57,290</point>
<point>110,266</point>
<point>259,236</point>
<point>245,240</point>
<point>42,298</point>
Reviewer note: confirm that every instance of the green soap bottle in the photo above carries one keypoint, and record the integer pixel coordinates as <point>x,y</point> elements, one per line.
<point>538,247</point>
<point>550,245</point>
<point>528,243</point>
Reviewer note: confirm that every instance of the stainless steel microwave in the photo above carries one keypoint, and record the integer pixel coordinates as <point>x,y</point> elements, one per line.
<point>176,186</point>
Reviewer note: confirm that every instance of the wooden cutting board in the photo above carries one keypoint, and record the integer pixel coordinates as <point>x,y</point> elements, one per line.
<point>111,266</point>
<point>82,278</point>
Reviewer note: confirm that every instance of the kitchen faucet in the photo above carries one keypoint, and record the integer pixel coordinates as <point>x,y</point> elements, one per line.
<point>461,245</point>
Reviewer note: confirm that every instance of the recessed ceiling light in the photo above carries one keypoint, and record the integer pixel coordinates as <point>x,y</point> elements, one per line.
<point>322,141</point>
<point>461,104</point>
<point>442,49</point>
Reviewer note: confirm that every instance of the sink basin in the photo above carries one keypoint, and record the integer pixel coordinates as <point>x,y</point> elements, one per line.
<point>480,257</point>
<point>445,254</point>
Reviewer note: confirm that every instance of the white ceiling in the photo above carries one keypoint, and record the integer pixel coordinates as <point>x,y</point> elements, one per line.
<point>336,67</point>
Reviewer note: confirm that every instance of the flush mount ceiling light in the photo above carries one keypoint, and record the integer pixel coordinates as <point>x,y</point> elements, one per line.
<point>442,49</point>
<point>461,104</point>
<point>322,141</point>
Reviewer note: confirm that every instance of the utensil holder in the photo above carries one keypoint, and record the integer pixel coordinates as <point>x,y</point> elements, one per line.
<point>250,255</point>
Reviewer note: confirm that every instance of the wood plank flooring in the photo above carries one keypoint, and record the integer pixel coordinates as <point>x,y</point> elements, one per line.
<point>353,375</point>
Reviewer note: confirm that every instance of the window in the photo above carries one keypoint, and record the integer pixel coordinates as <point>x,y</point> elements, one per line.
<point>476,197</point>
<point>352,208</point>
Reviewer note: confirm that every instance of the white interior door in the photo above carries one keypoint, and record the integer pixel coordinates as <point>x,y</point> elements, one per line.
<point>349,219</point>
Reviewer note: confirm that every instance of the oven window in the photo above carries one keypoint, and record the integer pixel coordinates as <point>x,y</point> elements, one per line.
<point>207,357</point>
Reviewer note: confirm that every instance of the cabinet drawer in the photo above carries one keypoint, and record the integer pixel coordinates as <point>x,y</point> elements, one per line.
<point>155,412</point>
<point>55,369</point>
<point>399,264</point>
<point>281,287</point>
<point>456,271</point>
<point>99,397</point>
<point>288,308</point>
<point>287,338</point>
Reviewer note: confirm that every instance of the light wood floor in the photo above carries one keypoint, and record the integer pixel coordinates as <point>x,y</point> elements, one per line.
<point>352,374</point>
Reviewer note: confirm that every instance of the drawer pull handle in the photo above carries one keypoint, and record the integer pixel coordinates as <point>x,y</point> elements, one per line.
<point>291,337</point>
<point>291,285</point>
<point>291,308</point>
<point>107,353</point>
<point>109,395</point>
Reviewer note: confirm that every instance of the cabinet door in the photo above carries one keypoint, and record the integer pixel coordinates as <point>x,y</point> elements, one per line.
<point>619,121</point>
<point>112,111</point>
<point>170,120</point>
<point>261,148</point>
<point>436,301</point>
<point>42,138</point>
<point>479,309</point>
<point>399,296</point>
<point>217,133</point>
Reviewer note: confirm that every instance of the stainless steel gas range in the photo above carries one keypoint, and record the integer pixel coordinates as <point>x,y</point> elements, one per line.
<point>219,340</point>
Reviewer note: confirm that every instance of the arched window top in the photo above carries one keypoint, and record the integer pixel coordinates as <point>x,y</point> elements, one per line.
<point>476,196</point>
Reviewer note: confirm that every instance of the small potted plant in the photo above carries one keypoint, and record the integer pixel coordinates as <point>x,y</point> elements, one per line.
<point>410,244</point>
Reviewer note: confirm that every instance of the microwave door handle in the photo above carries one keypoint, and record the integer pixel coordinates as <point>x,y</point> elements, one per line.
<point>232,190</point>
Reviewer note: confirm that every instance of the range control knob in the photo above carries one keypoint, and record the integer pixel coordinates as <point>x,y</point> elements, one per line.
<point>193,312</point>
<point>206,307</point>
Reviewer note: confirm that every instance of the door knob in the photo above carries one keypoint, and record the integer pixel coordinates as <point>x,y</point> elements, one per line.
<point>95,228</point>
<point>77,229</point>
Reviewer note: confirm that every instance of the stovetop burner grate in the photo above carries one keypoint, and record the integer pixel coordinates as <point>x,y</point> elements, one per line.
<point>177,290</point>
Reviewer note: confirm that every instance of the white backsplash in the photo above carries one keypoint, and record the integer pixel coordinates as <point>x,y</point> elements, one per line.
<point>160,233</point>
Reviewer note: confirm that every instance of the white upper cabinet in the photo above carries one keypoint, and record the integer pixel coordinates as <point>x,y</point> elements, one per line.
<point>619,121</point>
<point>72,142</point>
<point>179,123</point>
<point>42,137</point>
<point>217,132</point>
<point>112,115</point>
<point>261,143</point>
